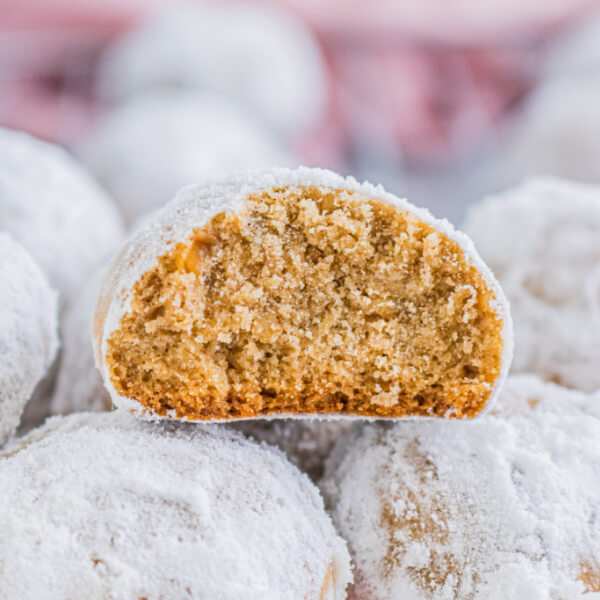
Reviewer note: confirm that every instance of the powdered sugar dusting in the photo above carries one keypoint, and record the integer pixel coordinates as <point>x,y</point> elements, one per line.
<point>103,505</point>
<point>504,507</point>
<point>28,331</point>
<point>305,442</point>
<point>55,209</point>
<point>541,240</point>
<point>79,384</point>
<point>195,205</point>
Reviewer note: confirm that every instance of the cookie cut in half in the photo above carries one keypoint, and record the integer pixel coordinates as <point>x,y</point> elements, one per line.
<point>299,292</point>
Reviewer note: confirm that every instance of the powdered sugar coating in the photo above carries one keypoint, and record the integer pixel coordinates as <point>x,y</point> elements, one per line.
<point>261,56</point>
<point>146,150</point>
<point>306,443</point>
<point>541,240</point>
<point>79,385</point>
<point>28,331</point>
<point>103,505</point>
<point>557,132</point>
<point>55,209</point>
<point>503,507</point>
<point>195,205</point>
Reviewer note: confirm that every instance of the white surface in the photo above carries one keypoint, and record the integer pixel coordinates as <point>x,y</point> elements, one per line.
<point>55,209</point>
<point>501,508</point>
<point>100,505</point>
<point>28,331</point>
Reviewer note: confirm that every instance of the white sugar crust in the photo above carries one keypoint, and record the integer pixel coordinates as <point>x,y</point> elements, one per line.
<point>54,208</point>
<point>28,331</point>
<point>541,239</point>
<point>79,385</point>
<point>105,505</point>
<point>306,443</point>
<point>504,507</point>
<point>195,205</point>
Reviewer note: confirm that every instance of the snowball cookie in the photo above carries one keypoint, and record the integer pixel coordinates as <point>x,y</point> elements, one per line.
<point>261,56</point>
<point>28,331</point>
<point>55,209</point>
<point>79,385</point>
<point>557,131</point>
<point>306,443</point>
<point>502,508</point>
<point>299,292</point>
<point>541,239</point>
<point>99,505</point>
<point>144,151</point>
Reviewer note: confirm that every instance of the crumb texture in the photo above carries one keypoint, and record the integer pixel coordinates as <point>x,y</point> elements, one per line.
<point>504,507</point>
<point>103,505</point>
<point>310,300</point>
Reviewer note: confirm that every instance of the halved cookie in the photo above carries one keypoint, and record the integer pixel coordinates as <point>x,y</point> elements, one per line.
<point>299,293</point>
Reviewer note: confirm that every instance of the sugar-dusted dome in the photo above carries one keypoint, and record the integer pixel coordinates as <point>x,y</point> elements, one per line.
<point>28,331</point>
<point>144,151</point>
<point>501,508</point>
<point>54,208</point>
<point>260,56</point>
<point>541,239</point>
<point>103,505</point>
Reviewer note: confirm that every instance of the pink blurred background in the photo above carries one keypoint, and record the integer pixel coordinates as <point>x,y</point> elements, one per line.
<point>417,92</point>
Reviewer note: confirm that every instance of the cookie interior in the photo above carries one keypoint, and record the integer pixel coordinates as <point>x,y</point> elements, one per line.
<point>310,300</point>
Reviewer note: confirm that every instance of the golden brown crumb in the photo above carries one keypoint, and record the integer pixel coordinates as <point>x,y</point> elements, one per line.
<point>328,583</point>
<point>310,301</point>
<point>590,576</point>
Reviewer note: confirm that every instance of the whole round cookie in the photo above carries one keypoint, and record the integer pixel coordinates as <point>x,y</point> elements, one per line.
<point>299,292</point>
<point>305,442</point>
<point>501,508</point>
<point>146,150</point>
<point>55,209</point>
<point>263,57</point>
<point>79,385</point>
<point>103,505</point>
<point>541,240</point>
<point>556,132</point>
<point>28,331</point>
